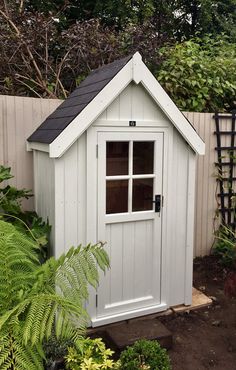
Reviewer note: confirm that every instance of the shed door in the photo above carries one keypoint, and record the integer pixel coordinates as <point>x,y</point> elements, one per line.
<point>129,180</point>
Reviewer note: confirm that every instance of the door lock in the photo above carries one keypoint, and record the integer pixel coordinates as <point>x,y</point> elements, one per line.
<point>157,203</point>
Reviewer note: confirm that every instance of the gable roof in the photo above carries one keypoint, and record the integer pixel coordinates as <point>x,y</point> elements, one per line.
<point>64,126</point>
<point>52,127</point>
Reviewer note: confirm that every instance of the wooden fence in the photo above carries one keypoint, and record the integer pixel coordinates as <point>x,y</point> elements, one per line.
<point>19,116</point>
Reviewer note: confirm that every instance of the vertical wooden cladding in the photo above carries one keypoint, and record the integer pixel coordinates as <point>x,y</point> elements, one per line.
<point>205,184</point>
<point>177,211</point>
<point>134,103</point>
<point>44,180</point>
<point>70,197</point>
<point>19,117</point>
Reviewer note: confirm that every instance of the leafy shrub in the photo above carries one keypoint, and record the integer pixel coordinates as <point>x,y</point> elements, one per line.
<point>145,354</point>
<point>225,246</point>
<point>199,74</point>
<point>89,354</point>
<point>29,302</point>
<point>26,221</point>
<point>55,350</point>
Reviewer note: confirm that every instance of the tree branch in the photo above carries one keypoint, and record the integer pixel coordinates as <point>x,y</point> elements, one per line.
<point>21,7</point>
<point>31,57</point>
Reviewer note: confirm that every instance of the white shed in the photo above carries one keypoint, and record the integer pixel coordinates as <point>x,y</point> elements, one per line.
<point>115,162</point>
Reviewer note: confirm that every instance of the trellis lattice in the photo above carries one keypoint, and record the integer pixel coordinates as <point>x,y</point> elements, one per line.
<point>226,167</point>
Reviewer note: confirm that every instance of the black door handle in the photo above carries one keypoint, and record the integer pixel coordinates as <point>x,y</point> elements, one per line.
<point>157,202</point>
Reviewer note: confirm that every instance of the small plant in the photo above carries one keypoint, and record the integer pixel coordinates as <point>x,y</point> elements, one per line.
<point>225,246</point>
<point>89,354</point>
<point>145,354</point>
<point>55,350</point>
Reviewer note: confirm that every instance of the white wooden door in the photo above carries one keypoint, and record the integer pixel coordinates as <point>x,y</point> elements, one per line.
<point>130,167</point>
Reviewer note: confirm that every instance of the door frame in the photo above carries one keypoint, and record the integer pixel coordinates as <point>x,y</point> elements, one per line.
<point>92,203</point>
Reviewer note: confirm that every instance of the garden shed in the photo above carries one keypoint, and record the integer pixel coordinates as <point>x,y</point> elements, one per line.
<point>115,162</point>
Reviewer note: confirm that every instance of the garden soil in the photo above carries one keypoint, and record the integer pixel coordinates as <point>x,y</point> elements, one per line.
<point>205,338</point>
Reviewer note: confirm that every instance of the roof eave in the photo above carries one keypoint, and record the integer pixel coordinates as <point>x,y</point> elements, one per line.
<point>42,147</point>
<point>172,111</point>
<point>92,111</point>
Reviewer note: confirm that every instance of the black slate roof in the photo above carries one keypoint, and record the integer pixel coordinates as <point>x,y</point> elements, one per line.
<point>52,127</point>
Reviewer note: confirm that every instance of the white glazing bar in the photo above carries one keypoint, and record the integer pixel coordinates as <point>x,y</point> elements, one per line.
<point>130,196</point>
<point>118,177</point>
<point>152,176</point>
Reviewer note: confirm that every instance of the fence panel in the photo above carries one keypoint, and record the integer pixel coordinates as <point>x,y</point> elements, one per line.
<point>19,117</point>
<point>205,183</point>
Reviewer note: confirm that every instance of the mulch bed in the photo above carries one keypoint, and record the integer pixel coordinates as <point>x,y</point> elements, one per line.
<point>206,338</point>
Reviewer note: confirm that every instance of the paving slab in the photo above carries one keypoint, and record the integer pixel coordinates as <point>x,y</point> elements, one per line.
<point>126,333</point>
<point>199,300</point>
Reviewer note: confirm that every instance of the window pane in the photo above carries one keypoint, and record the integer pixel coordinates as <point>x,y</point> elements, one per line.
<point>117,196</point>
<point>142,194</point>
<point>143,154</point>
<point>117,158</point>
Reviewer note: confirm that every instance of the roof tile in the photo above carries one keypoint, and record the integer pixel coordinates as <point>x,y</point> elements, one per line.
<point>52,127</point>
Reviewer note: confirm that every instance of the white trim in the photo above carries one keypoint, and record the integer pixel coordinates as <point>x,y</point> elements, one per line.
<point>190,227</point>
<point>91,205</point>
<point>37,146</point>
<point>127,177</point>
<point>129,217</point>
<point>128,315</point>
<point>137,67</point>
<point>166,213</point>
<point>89,114</point>
<point>171,111</point>
<point>125,123</point>
<point>135,70</point>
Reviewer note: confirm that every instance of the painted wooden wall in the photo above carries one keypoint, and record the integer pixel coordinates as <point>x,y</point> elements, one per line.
<point>19,116</point>
<point>44,187</point>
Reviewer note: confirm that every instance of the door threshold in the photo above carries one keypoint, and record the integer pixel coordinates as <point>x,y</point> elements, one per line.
<point>105,320</point>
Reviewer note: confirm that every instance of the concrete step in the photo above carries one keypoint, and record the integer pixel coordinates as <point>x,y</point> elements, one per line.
<point>126,333</point>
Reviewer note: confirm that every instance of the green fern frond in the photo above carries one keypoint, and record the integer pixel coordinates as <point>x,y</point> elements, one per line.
<point>15,356</point>
<point>37,299</point>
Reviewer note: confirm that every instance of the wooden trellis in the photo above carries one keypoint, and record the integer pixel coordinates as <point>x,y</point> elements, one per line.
<point>226,166</point>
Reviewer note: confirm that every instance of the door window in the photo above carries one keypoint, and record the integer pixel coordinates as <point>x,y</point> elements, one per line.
<point>129,176</point>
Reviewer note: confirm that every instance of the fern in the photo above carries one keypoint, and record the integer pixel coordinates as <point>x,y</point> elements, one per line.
<point>36,300</point>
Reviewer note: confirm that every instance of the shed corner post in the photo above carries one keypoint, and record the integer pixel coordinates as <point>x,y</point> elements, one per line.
<point>190,227</point>
<point>91,207</point>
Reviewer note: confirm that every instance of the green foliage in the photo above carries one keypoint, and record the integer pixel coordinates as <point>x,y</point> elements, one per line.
<point>225,246</point>
<point>181,18</point>
<point>33,295</point>
<point>27,222</point>
<point>10,197</point>
<point>145,354</point>
<point>200,74</point>
<point>89,354</point>
<point>66,40</point>
<point>56,349</point>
